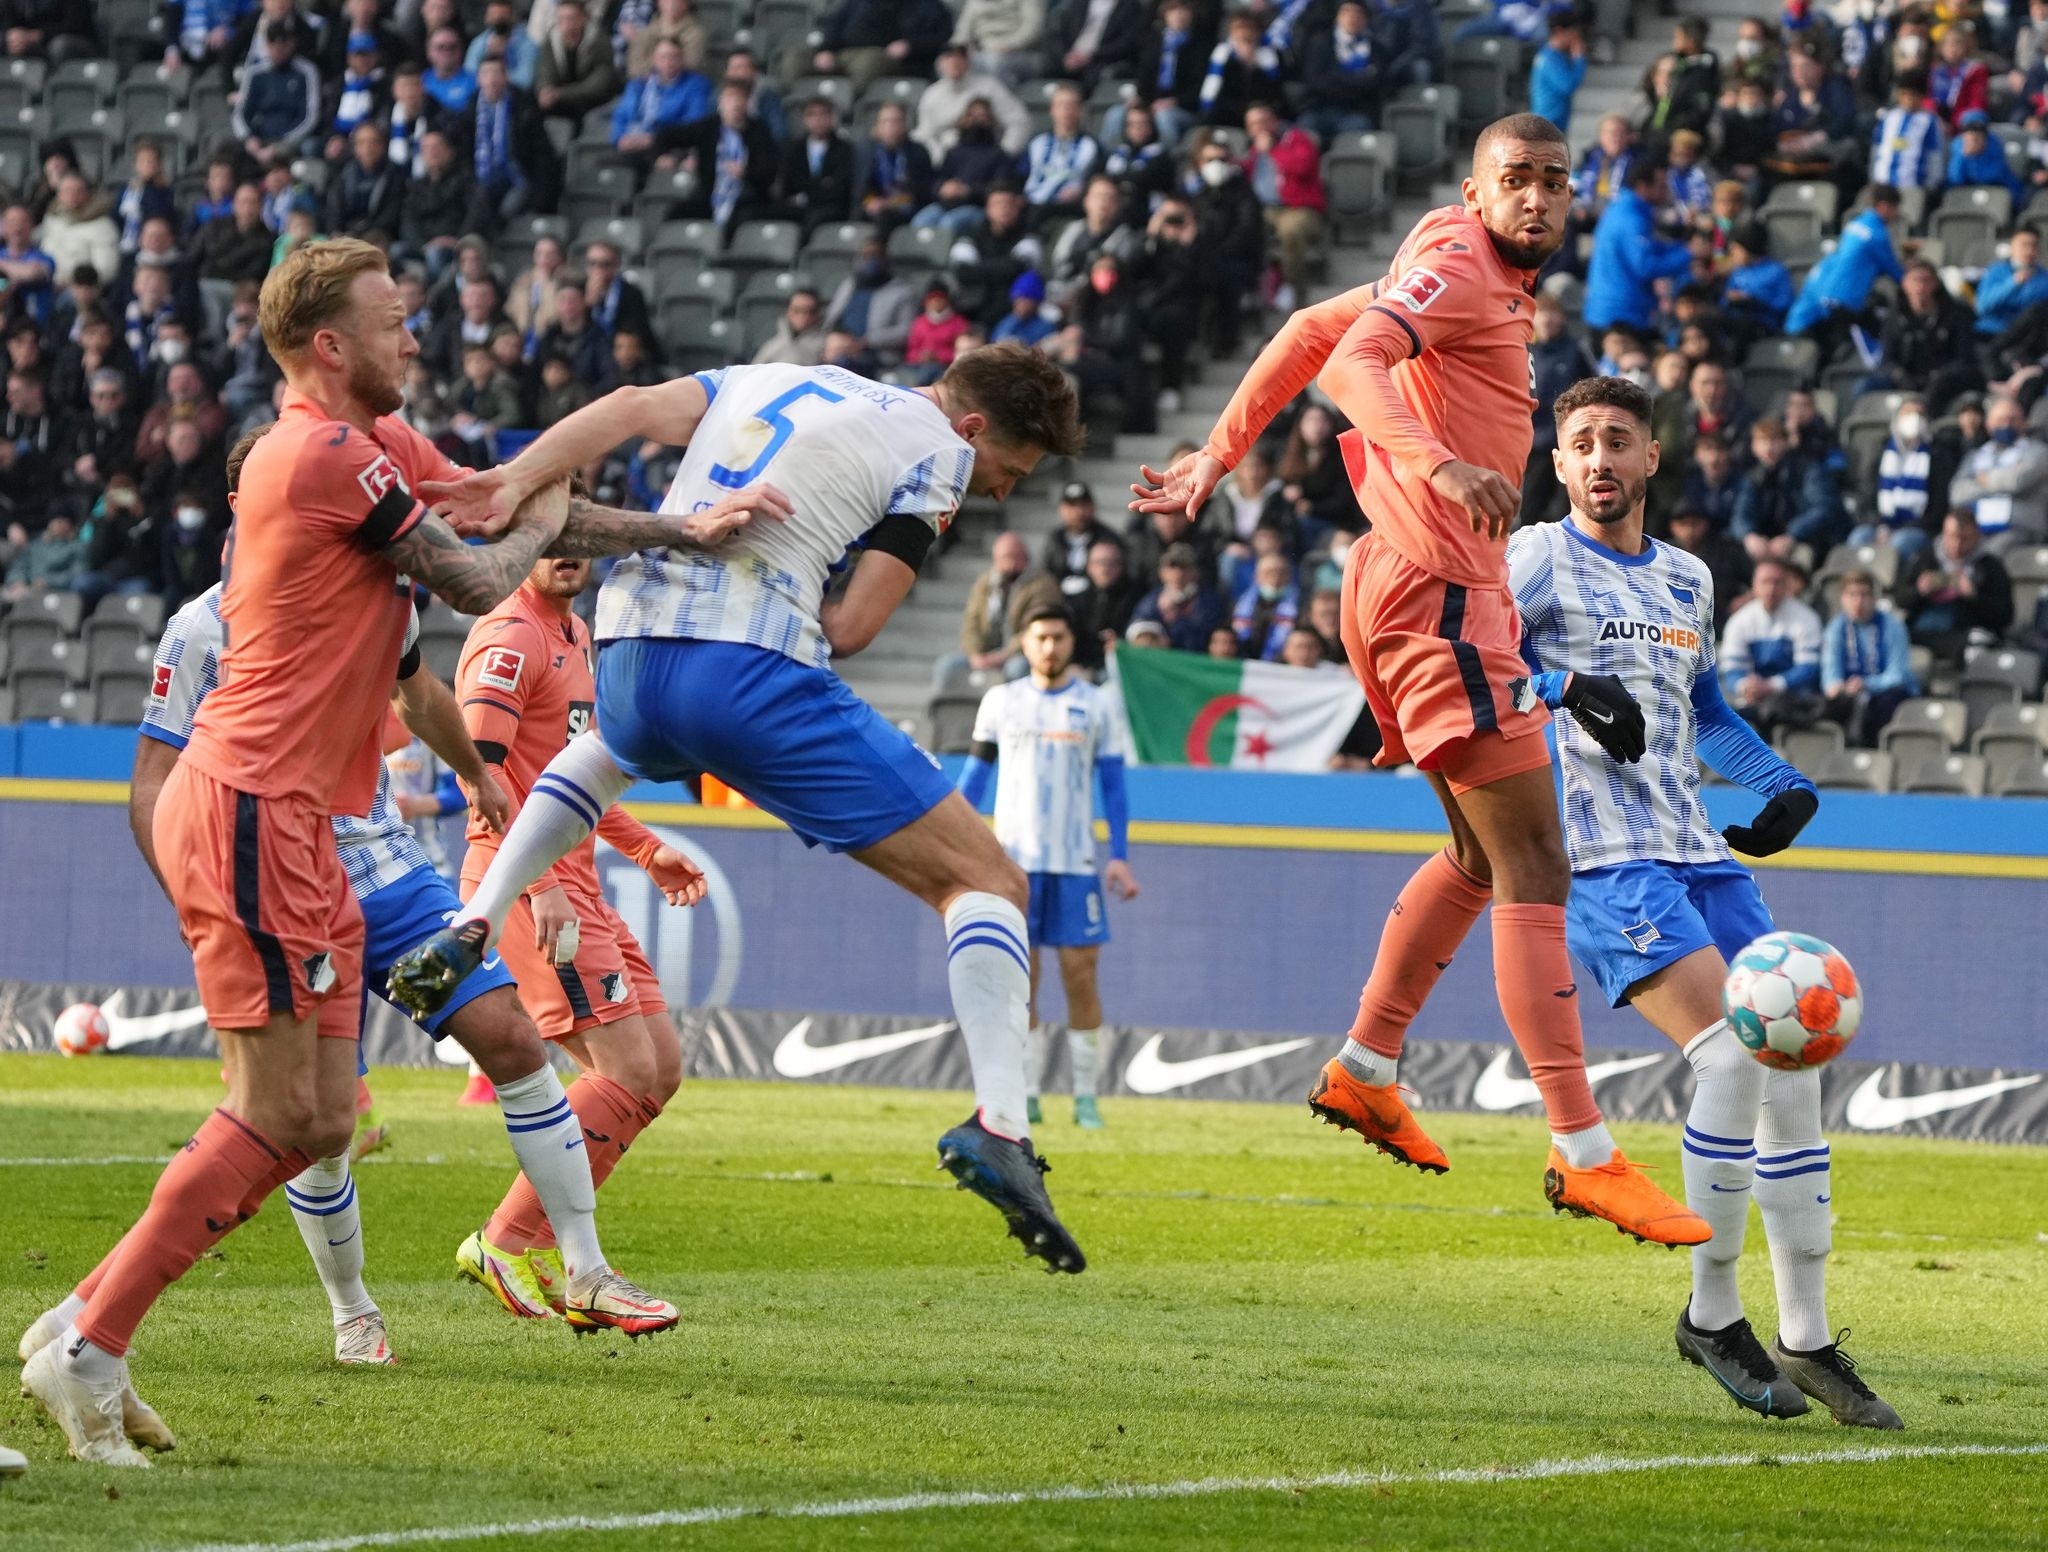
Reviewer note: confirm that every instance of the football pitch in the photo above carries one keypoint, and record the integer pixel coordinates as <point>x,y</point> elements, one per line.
<point>1281,1340</point>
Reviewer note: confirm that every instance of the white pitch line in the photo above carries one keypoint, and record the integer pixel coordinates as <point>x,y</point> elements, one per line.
<point>916,1503</point>
<point>158,1159</point>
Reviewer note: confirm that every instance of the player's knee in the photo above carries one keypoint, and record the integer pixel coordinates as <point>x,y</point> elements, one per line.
<point>1532,870</point>
<point>502,1039</point>
<point>629,1061</point>
<point>328,1131</point>
<point>668,1064</point>
<point>1006,879</point>
<point>1469,855</point>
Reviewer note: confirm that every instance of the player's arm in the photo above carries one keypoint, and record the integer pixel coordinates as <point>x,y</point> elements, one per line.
<point>1731,748</point>
<point>592,530</point>
<point>673,873</point>
<point>491,688</point>
<point>430,711</point>
<point>917,509</point>
<point>1116,813</point>
<point>1599,703</point>
<point>153,761</point>
<point>476,578</point>
<point>982,748</point>
<point>1286,366</point>
<point>881,581</point>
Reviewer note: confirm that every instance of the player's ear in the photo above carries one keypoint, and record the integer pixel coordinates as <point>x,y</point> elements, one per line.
<point>1471,193</point>
<point>970,425</point>
<point>1557,463</point>
<point>1653,457</point>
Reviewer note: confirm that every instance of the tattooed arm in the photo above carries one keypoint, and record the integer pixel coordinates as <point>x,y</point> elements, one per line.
<point>476,578</point>
<point>593,530</point>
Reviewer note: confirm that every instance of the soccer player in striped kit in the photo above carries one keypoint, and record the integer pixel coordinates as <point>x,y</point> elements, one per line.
<point>1659,904</point>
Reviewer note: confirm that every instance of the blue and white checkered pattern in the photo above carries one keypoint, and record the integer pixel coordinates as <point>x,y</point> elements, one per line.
<point>1649,620</point>
<point>376,849</point>
<point>846,451</point>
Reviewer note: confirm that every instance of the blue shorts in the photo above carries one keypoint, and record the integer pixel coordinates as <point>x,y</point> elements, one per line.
<point>1627,922</point>
<point>794,740</point>
<point>404,914</point>
<point>1066,911</point>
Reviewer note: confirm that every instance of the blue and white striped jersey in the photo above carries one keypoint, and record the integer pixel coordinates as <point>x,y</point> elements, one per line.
<point>1649,620</point>
<point>375,850</point>
<point>846,451</point>
<point>1047,745</point>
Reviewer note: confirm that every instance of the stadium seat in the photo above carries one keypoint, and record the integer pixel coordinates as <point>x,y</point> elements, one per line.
<point>1420,121</point>
<point>781,24</point>
<point>64,610</point>
<point>905,89</point>
<point>835,89</point>
<point>763,245</point>
<point>715,344</point>
<point>1822,199</point>
<point>583,207</point>
<point>1807,747</point>
<point>1968,235</point>
<point>116,646</point>
<point>1857,770</point>
<point>2007,754</point>
<point>37,653</point>
<point>44,697</point>
<point>1984,696</point>
<point>7,705</point>
<point>2029,781</point>
<point>1797,234</point>
<point>2027,562</point>
<point>622,232</point>
<point>663,195</point>
<point>1481,69</point>
<point>721,19</point>
<point>916,253</point>
<point>693,243</point>
<point>27,73</point>
<point>143,611</point>
<point>830,254</point>
<point>709,292</point>
<point>121,699</point>
<point>14,98</point>
<point>952,722</point>
<point>762,303</point>
<point>1927,725</point>
<point>1959,775</point>
<point>2006,665</point>
<point>1358,171</point>
<point>1799,358</point>
<point>97,141</point>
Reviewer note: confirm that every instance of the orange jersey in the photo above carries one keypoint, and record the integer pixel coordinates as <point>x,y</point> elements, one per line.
<point>526,686</point>
<point>1431,364</point>
<point>313,616</point>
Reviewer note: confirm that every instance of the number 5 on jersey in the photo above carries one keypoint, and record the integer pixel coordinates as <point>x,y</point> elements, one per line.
<point>771,414</point>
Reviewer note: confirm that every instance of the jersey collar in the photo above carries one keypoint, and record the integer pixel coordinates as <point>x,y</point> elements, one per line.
<point>1649,547</point>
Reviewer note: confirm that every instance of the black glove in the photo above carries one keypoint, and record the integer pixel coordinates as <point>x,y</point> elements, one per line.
<point>1601,704</point>
<point>1777,826</point>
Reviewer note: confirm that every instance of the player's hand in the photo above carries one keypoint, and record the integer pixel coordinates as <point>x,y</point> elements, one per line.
<point>1776,826</point>
<point>414,805</point>
<point>1181,487</point>
<point>552,916</point>
<point>1601,704</point>
<point>675,875</point>
<point>710,528</point>
<point>1120,880</point>
<point>488,802</point>
<point>479,505</point>
<point>1489,500</point>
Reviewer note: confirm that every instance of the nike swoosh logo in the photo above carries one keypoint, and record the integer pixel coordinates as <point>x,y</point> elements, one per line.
<point>796,1057</point>
<point>1823,1198</point>
<point>1151,1073</point>
<point>569,1145</point>
<point>1498,1090</point>
<point>125,1029</point>
<point>1870,1109</point>
<point>1732,1190</point>
<point>346,1237</point>
<point>1597,713</point>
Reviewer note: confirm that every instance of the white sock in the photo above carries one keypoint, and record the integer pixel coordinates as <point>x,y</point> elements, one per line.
<point>1587,1148</point>
<point>548,1142</point>
<point>567,800</point>
<point>1084,1053</point>
<point>1368,1066</point>
<point>1036,1040</point>
<point>68,1309</point>
<point>1795,1190</point>
<point>1718,1153</point>
<point>987,966</point>
<point>323,1203</point>
<point>88,1360</point>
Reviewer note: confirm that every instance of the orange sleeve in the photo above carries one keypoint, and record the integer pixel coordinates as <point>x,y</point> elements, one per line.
<point>1284,368</point>
<point>621,831</point>
<point>344,484</point>
<point>492,682</point>
<point>1424,307</point>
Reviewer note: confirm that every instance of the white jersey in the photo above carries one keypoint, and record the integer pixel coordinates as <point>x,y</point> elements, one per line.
<point>375,850</point>
<point>1047,743</point>
<point>416,771</point>
<point>1649,620</point>
<point>846,451</point>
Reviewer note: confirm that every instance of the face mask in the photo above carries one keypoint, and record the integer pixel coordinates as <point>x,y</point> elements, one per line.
<point>502,29</point>
<point>1216,173</point>
<point>1102,284</point>
<point>1748,48</point>
<point>171,352</point>
<point>1268,592</point>
<point>1910,427</point>
<point>1910,47</point>
<point>1753,111</point>
<point>191,519</point>
<point>2005,436</point>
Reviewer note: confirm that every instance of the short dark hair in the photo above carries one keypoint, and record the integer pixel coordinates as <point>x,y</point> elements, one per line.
<point>1883,194</point>
<point>239,455</point>
<point>1045,612</point>
<point>1027,399</point>
<point>1532,127</point>
<point>1644,171</point>
<point>1860,577</point>
<point>1616,393</point>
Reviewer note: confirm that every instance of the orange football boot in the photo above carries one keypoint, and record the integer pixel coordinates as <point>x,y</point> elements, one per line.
<point>1377,1115</point>
<point>1621,1193</point>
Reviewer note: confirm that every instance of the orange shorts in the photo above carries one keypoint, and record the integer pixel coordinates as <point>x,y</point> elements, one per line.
<point>264,902</point>
<point>1439,661</point>
<point>610,978</point>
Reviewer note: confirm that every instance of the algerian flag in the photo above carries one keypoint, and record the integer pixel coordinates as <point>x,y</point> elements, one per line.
<point>1187,709</point>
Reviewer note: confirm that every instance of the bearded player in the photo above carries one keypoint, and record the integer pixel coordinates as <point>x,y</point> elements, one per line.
<point>1659,904</point>
<point>1431,364</point>
<point>526,687</point>
<point>314,621</point>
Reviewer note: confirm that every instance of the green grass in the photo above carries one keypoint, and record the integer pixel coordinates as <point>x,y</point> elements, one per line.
<point>1265,1301</point>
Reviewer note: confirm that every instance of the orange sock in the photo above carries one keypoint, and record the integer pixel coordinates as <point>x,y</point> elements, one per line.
<point>1436,908</point>
<point>1532,971</point>
<point>611,1116</point>
<point>217,1180</point>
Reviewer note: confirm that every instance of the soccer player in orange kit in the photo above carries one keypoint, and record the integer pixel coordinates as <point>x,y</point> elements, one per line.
<point>1431,364</point>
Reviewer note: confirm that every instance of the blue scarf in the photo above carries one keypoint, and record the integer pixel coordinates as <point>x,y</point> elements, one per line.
<point>1863,648</point>
<point>649,107</point>
<point>1354,54</point>
<point>130,207</point>
<point>494,145</point>
<point>725,188</point>
<point>1280,32</point>
<point>887,170</point>
<point>1170,45</point>
<point>405,145</point>
<point>632,13</point>
<point>358,97</point>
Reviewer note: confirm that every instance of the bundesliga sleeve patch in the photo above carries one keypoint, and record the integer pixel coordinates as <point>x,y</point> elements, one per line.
<point>500,668</point>
<point>160,684</point>
<point>1417,289</point>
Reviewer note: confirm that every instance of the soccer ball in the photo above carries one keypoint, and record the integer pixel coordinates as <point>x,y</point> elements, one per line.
<point>81,1030</point>
<point>1793,1000</point>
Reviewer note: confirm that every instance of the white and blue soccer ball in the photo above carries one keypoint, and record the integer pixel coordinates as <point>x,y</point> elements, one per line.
<point>1793,1000</point>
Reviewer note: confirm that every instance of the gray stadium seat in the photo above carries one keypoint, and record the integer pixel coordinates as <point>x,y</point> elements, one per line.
<point>6,704</point>
<point>916,253</point>
<point>2029,719</point>
<point>2027,562</point>
<point>763,245</point>
<point>1808,746</point>
<point>761,305</point>
<point>65,610</point>
<point>622,232</point>
<point>1358,172</point>
<point>115,646</point>
<point>2006,755</point>
<point>952,722</point>
<point>1983,696</point>
<point>29,73</point>
<point>678,242</point>
<point>1798,236</point>
<point>835,89</point>
<point>1926,725</point>
<point>1482,70</point>
<point>2007,665</point>
<point>121,698</point>
<point>1968,237</point>
<point>2029,781</point>
<point>663,194</point>
<point>1959,775</point>
<point>1421,131</point>
<point>47,697</point>
<point>830,254</point>
<point>1823,199</point>
<point>1855,770</point>
<point>718,343</point>
<point>905,89</point>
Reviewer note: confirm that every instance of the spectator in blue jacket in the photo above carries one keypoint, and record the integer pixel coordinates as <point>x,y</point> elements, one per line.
<point>448,81</point>
<point>2012,285</point>
<point>1559,70</point>
<point>1831,302</point>
<point>1629,258</point>
<point>1866,662</point>
<point>1758,291</point>
<point>278,104</point>
<point>1787,498</point>
<point>667,95</point>
<point>1976,157</point>
<point>1181,604</point>
<point>1770,653</point>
